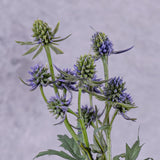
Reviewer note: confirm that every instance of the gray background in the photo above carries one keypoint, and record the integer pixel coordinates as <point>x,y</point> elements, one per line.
<point>25,123</point>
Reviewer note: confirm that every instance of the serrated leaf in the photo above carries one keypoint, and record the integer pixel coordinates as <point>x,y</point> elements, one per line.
<point>56,28</point>
<point>38,52</point>
<point>58,40</point>
<point>31,50</point>
<point>70,145</point>
<point>25,43</point>
<point>133,152</point>
<point>119,156</point>
<point>54,152</point>
<point>56,50</point>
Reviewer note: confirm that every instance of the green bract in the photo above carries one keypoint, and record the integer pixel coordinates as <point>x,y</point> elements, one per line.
<point>44,37</point>
<point>85,67</point>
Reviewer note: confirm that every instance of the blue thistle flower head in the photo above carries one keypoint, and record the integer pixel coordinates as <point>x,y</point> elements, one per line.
<point>85,67</point>
<point>115,90</point>
<point>101,44</point>
<point>59,106</point>
<point>62,82</point>
<point>39,76</point>
<point>89,115</point>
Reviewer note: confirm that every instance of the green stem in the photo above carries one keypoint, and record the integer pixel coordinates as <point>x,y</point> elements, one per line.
<point>51,67</point>
<point>91,100</point>
<point>43,95</point>
<point>108,108</point>
<point>105,66</point>
<point>114,116</point>
<point>81,121</point>
<point>71,131</point>
<point>70,111</point>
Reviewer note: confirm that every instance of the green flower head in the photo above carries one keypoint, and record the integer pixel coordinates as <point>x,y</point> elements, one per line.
<point>85,67</point>
<point>42,32</point>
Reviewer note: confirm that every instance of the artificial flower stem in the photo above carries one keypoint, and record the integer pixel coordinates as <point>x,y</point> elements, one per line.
<point>70,111</point>
<point>69,128</point>
<point>106,120</point>
<point>51,67</point>
<point>43,95</point>
<point>114,116</point>
<point>91,100</point>
<point>105,66</point>
<point>81,121</point>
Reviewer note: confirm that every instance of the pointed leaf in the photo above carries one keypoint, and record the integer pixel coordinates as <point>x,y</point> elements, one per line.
<point>122,51</point>
<point>38,52</point>
<point>56,28</point>
<point>58,40</point>
<point>54,152</point>
<point>119,156</point>
<point>25,43</point>
<point>31,50</point>
<point>23,81</point>
<point>56,50</point>
<point>127,106</point>
<point>69,144</point>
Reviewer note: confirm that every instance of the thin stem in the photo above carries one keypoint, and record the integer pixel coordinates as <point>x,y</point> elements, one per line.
<point>71,131</point>
<point>70,111</point>
<point>81,121</point>
<point>51,67</point>
<point>43,95</point>
<point>108,108</point>
<point>114,116</point>
<point>91,100</point>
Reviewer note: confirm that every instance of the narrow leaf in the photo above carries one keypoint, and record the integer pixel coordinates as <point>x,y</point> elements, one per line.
<point>38,52</point>
<point>119,156</point>
<point>23,81</point>
<point>58,40</point>
<point>56,29</point>
<point>25,43</point>
<point>56,50</point>
<point>54,152</point>
<point>31,50</point>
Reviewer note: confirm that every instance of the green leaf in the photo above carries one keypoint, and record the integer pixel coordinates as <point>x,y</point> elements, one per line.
<point>23,81</point>
<point>58,40</point>
<point>70,145</point>
<point>133,152</point>
<point>25,43</point>
<point>38,52</point>
<point>127,106</point>
<point>54,152</point>
<point>31,50</point>
<point>56,50</point>
<point>119,156</point>
<point>56,28</point>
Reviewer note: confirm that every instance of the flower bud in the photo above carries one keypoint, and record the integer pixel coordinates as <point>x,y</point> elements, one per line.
<point>85,67</point>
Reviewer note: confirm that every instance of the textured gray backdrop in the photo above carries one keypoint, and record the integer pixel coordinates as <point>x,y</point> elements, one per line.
<point>25,123</point>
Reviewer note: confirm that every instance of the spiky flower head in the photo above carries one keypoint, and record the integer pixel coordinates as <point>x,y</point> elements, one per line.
<point>89,115</point>
<point>39,76</point>
<point>85,67</point>
<point>62,82</point>
<point>101,44</point>
<point>59,106</point>
<point>42,32</point>
<point>115,90</point>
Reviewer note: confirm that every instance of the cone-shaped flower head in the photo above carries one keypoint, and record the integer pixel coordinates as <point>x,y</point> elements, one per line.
<point>62,82</point>
<point>101,44</point>
<point>89,115</point>
<point>115,90</point>
<point>59,106</point>
<point>85,67</point>
<point>42,32</point>
<point>40,76</point>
